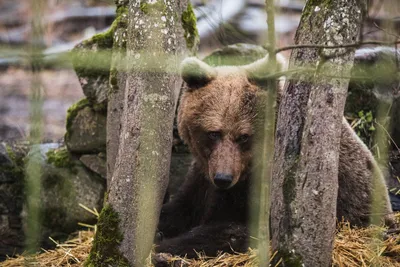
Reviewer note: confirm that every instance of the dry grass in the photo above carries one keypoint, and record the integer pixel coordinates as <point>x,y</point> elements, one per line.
<point>71,253</point>
<point>353,248</point>
<point>366,247</point>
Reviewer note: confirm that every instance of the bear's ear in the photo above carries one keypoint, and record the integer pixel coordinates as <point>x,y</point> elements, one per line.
<point>196,73</point>
<point>260,69</point>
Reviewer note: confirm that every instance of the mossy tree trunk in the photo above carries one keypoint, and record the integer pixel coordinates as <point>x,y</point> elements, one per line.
<point>149,43</point>
<point>305,182</point>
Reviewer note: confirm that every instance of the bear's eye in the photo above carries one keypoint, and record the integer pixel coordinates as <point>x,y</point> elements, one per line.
<point>243,138</point>
<point>214,136</point>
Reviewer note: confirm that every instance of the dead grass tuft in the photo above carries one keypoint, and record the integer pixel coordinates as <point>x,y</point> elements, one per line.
<point>371,246</point>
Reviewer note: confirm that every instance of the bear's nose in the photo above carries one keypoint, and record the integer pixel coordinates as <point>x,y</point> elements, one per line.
<point>222,180</point>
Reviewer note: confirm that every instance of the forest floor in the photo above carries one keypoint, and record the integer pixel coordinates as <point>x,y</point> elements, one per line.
<point>371,246</point>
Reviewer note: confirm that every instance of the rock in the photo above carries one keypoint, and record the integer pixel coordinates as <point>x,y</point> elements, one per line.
<point>395,200</point>
<point>4,157</point>
<point>92,65</point>
<point>66,183</point>
<point>92,58</point>
<point>95,163</point>
<point>12,239</point>
<point>64,187</point>
<point>60,157</point>
<point>63,190</point>
<point>95,88</point>
<point>5,165</point>
<point>86,129</point>
<point>9,132</point>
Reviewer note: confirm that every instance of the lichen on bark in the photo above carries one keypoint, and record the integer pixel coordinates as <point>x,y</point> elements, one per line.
<point>147,8</point>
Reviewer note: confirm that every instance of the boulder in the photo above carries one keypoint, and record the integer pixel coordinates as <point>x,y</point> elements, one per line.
<point>66,183</point>
<point>86,129</point>
<point>91,60</point>
<point>6,165</point>
<point>62,192</point>
<point>95,163</point>
<point>11,199</point>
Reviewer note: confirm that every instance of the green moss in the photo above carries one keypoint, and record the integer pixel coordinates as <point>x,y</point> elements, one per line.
<point>120,28</point>
<point>290,259</point>
<point>122,10</point>
<point>16,169</point>
<point>113,80</point>
<point>311,4</point>
<point>101,108</point>
<point>73,111</point>
<point>121,3</point>
<point>105,251</point>
<point>308,11</point>
<point>11,153</point>
<point>86,63</point>
<point>157,6</point>
<point>121,20</point>
<point>189,26</point>
<point>105,40</point>
<point>144,7</point>
<point>60,158</point>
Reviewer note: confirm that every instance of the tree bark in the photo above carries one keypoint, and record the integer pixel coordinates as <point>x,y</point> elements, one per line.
<point>115,104</point>
<point>265,144</point>
<point>305,182</point>
<point>145,85</point>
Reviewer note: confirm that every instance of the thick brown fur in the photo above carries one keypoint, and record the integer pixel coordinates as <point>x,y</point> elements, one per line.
<point>217,117</point>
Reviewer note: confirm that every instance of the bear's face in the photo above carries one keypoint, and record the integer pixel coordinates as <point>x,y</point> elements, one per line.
<point>217,115</point>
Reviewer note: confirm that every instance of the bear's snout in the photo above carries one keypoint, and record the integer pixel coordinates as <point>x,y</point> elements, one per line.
<point>222,180</point>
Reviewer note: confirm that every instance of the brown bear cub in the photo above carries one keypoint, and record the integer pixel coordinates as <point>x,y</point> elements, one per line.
<point>217,117</point>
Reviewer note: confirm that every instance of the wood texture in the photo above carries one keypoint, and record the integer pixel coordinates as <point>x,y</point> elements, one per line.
<point>305,183</point>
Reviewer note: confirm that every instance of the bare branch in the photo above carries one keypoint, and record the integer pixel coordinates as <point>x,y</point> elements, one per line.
<point>356,45</point>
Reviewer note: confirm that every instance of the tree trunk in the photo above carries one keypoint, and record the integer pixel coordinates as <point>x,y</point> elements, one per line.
<point>145,86</point>
<point>305,183</point>
<point>115,104</point>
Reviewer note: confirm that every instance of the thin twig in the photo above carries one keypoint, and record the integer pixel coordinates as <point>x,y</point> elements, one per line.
<point>358,44</point>
<point>388,134</point>
<point>386,31</point>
